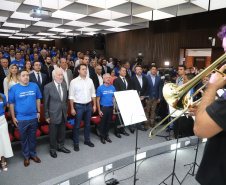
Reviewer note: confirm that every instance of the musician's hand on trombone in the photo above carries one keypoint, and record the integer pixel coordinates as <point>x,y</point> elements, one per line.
<point>217,80</point>
<point>192,110</point>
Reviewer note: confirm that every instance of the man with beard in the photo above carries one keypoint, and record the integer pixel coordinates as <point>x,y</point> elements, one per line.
<point>48,69</point>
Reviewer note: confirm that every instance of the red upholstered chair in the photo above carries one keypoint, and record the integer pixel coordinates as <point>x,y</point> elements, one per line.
<point>17,136</point>
<point>10,137</point>
<point>95,119</point>
<point>44,124</point>
<point>8,116</point>
<point>113,117</point>
<point>69,126</point>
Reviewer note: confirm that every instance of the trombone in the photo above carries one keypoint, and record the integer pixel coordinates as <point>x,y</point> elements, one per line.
<point>176,96</point>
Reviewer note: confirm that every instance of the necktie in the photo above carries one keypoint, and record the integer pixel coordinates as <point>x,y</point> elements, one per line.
<point>124,81</point>
<point>39,80</point>
<point>59,91</point>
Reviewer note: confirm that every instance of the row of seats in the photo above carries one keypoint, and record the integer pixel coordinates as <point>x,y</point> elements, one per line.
<point>44,128</point>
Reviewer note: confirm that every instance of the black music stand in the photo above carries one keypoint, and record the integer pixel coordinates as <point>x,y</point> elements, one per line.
<point>192,165</point>
<point>136,148</point>
<point>173,174</point>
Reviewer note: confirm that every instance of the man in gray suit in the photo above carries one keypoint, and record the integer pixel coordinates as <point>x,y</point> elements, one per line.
<point>67,74</point>
<point>55,109</point>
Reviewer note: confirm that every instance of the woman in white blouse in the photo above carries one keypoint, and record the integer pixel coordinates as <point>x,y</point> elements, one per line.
<point>11,79</point>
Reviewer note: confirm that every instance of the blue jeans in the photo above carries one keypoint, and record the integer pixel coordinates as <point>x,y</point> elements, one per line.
<point>27,131</point>
<point>83,112</point>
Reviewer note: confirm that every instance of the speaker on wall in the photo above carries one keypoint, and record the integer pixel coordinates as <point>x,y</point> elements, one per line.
<point>99,41</point>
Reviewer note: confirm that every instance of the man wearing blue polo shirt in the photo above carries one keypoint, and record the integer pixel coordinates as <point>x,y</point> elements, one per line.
<point>53,51</point>
<point>24,100</point>
<point>105,105</point>
<point>18,61</point>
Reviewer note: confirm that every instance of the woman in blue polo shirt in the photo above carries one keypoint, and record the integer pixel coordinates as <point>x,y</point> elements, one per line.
<point>5,145</point>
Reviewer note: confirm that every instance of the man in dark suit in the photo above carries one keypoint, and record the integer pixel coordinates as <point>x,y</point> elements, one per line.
<point>39,78</point>
<point>105,68</point>
<point>48,69</point>
<point>42,57</point>
<point>121,84</point>
<point>128,70</point>
<point>139,83</point>
<point>90,72</point>
<point>155,94</point>
<point>67,74</point>
<point>55,110</point>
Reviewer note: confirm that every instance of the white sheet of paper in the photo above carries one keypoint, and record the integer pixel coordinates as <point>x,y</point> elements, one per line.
<point>130,107</point>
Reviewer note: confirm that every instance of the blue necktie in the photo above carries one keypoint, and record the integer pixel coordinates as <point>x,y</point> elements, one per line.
<point>39,80</point>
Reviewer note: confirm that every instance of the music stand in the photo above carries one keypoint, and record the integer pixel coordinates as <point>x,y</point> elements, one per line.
<point>192,165</point>
<point>133,115</point>
<point>173,174</point>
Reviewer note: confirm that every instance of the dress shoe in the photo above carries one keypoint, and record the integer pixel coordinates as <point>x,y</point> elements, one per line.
<point>35,159</point>
<point>89,143</point>
<point>4,167</point>
<point>102,141</point>
<point>53,154</point>
<point>141,128</point>
<point>64,150</point>
<point>76,148</point>
<point>26,162</point>
<point>108,140</point>
<point>125,133</point>
<point>131,131</point>
<point>117,135</point>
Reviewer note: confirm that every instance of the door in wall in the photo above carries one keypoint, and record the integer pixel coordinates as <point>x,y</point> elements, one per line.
<point>199,62</point>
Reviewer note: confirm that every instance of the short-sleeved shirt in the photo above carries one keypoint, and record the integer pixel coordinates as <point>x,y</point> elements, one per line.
<point>106,95</point>
<point>212,170</point>
<point>20,63</point>
<point>2,104</point>
<point>24,99</point>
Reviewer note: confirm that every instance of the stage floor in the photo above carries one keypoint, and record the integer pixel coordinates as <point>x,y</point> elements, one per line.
<point>51,168</point>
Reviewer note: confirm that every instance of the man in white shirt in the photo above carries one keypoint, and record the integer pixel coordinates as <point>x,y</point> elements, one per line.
<point>81,93</point>
<point>181,73</point>
<point>79,59</point>
<point>99,76</point>
<point>68,76</point>
<point>111,63</point>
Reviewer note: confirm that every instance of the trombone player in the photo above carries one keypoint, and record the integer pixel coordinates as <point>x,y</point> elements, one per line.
<point>210,123</point>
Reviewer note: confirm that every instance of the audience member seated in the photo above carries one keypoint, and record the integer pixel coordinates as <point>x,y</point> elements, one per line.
<point>11,56</point>
<point>118,65</point>
<point>55,63</point>
<point>105,68</point>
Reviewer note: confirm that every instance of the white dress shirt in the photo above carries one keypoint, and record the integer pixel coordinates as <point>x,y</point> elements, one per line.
<point>36,75</point>
<point>110,64</point>
<point>100,79</point>
<point>81,90</point>
<point>123,81</point>
<point>140,80</point>
<point>56,84</point>
<point>87,75</point>
<point>65,77</point>
<point>77,62</point>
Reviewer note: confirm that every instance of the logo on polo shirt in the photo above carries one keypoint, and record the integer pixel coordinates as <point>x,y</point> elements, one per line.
<point>28,93</point>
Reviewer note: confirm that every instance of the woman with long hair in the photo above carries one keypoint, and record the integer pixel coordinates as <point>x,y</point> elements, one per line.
<point>28,66</point>
<point>5,145</point>
<point>11,79</point>
<point>113,77</point>
<point>27,57</point>
<point>55,63</point>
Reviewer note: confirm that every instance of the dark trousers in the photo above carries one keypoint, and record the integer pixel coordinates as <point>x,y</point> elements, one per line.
<point>185,126</point>
<point>105,121</point>
<point>27,131</point>
<point>57,134</point>
<point>82,111</point>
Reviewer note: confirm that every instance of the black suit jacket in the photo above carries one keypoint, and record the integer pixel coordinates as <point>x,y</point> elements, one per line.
<point>120,85</point>
<point>108,70</point>
<point>9,60</point>
<point>44,70</point>
<point>127,74</point>
<point>41,59</point>
<point>92,75</point>
<point>135,85</point>
<point>2,76</point>
<point>34,80</point>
